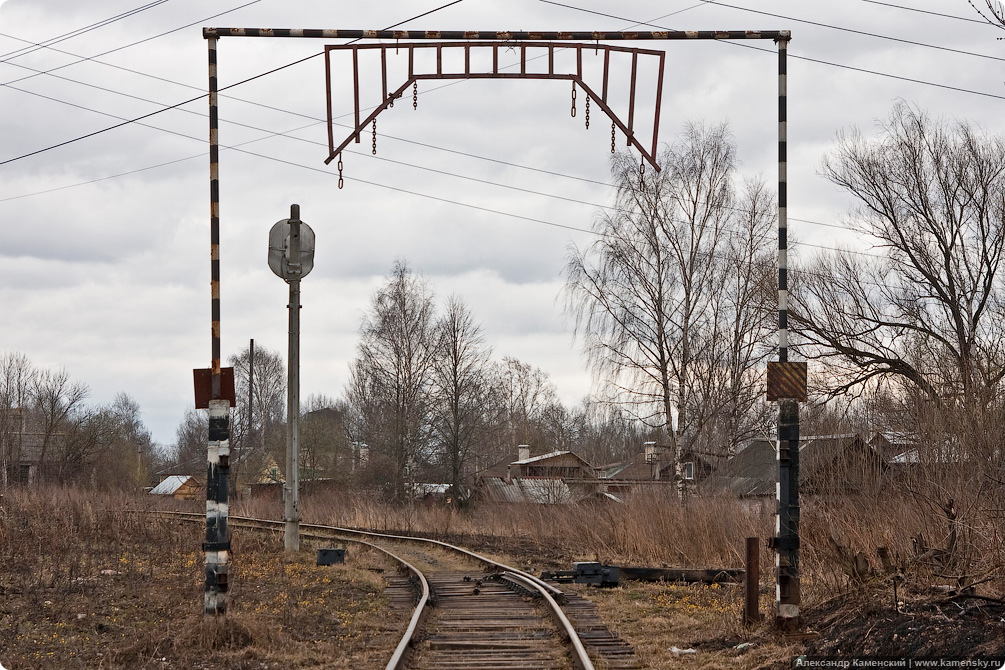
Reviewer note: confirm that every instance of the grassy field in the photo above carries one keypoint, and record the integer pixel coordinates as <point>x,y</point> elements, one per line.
<point>89,581</point>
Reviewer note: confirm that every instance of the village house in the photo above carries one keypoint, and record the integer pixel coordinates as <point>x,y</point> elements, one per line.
<point>559,477</point>
<point>652,470</point>
<point>180,487</point>
<point>828,464</point>
<point>28,457</point>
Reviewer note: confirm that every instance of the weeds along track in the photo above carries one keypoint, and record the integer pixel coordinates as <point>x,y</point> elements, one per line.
<point>473,612</point>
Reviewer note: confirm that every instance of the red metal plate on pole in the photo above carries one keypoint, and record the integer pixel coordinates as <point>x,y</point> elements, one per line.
<point>787,381</point>
<point>203,378</point>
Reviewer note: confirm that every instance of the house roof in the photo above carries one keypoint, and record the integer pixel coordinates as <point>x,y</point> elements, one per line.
<point>29,445</point>
<point>171,484</point>
<point>505,467</point>
<point>753,471</point>
<point>635,469</point>
<point>544,457</point>
<point>520,490</point>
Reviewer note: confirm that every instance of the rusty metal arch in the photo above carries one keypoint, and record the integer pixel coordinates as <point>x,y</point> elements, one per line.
<point>600,98</point>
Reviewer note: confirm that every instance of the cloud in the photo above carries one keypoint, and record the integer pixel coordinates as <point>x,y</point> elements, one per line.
<point>106,270</point>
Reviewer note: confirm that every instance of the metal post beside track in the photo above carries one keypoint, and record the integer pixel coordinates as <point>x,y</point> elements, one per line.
<point>217,546</point>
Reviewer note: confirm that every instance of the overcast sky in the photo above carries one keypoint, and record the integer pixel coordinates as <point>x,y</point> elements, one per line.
<point>482,189</point>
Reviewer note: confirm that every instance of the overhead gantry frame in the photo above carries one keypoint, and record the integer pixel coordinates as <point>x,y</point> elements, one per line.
<point>786,381</point>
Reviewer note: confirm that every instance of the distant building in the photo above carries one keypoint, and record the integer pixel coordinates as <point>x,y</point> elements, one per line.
<point>828,464</point>
<point>180,487</point>
<point>652,470</point>
<point>27,457</point>
<point>559,477</point>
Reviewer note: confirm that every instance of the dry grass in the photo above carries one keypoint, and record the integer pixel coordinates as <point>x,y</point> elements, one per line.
<point>87,584</point>
<point>694,626</point>
<point>698,532</point>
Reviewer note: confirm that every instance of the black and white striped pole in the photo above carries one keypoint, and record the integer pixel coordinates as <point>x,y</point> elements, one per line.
<point>214,390</point>
<point>787,385</point>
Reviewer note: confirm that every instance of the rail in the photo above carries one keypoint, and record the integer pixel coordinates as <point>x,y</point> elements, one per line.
<point>515,577</point>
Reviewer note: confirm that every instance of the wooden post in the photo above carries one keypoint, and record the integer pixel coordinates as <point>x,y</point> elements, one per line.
<point>751,582</point>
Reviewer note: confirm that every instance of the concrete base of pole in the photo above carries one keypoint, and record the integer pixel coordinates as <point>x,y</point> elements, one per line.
<point>292,540</point>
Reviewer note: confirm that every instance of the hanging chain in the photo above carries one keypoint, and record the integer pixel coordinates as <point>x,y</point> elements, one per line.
<point>612,137</point>
<point>642,175</point>
<point>375,137</point>
<point>573,99</point>
<point>415,95</point>
<point>587,111</point>
<point>340,170</point>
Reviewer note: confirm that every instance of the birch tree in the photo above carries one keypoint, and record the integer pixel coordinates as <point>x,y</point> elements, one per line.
<point>649,297</point>
<point>389,380</point>
<point>461,414</point>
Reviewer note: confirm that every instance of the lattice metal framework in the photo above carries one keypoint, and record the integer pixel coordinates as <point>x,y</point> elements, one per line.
<point>597,92</point>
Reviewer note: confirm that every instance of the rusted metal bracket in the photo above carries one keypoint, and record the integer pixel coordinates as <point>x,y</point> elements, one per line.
<point>574,74</point>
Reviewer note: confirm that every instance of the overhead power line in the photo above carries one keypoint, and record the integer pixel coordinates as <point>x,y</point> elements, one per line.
<point>80,31</point>
<point>125,46</point>
<point>287,135</point>
<point>923,11</point>
<point>797,57</point>
<point>223,88</point>
<point>856,32</point>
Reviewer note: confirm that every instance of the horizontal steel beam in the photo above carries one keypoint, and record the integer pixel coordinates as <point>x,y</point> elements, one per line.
<point>499,35</point>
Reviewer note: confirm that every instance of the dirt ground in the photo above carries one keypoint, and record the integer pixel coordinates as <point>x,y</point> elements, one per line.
<point>109,590</point>
<point>128,611</point>
<point>930,620</point>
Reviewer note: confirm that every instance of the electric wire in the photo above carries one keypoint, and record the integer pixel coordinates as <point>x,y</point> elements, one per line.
<point>856,32</point>
<point>924,11</point>
<point>80,31</point>
<point>199,97</point>
<point>287,135</point>
<point>442,172</point>
<point>805,58</point>
<point>93,58</point>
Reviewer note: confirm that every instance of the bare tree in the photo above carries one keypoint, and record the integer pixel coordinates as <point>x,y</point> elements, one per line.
<point>533,413</point>
<point>191,439</point>
<point>743,320</point>
<point>16,383</point>
<point>58,403</point>
<point>125,452</point>
<point>461,416</point>
<point>994,14</point>
<point>650,296</point>
<point>265,434</point>
<point>390,377</point>
<point>325,448</point>
<point>929,311</point>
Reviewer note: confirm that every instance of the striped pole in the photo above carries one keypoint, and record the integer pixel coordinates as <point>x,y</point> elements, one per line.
<point>505,35</point>
<point>217,545</point>
<point>786,539</point>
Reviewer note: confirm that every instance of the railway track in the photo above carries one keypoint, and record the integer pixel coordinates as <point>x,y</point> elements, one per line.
<point>473,612</point>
